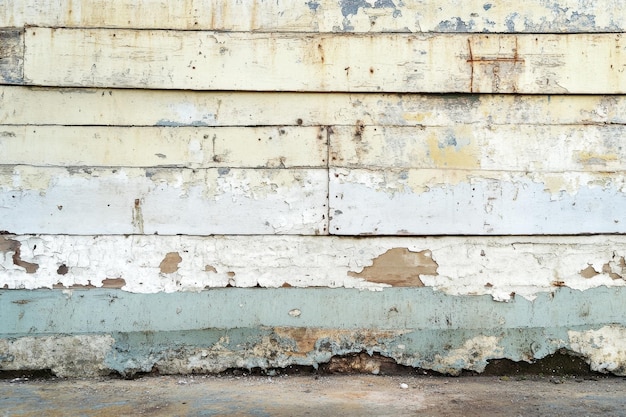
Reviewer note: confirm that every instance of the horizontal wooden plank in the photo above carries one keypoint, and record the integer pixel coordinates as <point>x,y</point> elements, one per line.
<point>547,64</point>
<point>503,147</point>
<point>38,106</point>
<point>440,202</point>
<point>194,147</point>
<point>322,15</point>
<point>497,266</point>
<point>164,201</point>
<point>11,56</point>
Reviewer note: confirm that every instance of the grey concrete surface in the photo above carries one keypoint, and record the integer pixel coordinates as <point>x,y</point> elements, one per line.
<point>311,395</point>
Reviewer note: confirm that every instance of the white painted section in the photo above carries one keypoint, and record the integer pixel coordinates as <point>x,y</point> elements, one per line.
<point>135,107</point>
<point>322,15</point>
<point>532,148</point>
<point>163,201</point>
<point>503,267</point>
<point>552,64</point>
<point>192,147</point>
<point>441,202</point>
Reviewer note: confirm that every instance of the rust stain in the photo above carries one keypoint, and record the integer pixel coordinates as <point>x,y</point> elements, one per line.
<point>493,63</point>
<point>399,267</point>
<point>11,245</point>
<point>138,216</point>
<point>169,264</point>
<point>308,338</point>
<point>62,270</point>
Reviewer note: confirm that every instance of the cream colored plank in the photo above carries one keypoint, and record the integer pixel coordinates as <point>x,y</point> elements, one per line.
<point>322,15</point>
<point>502,147</point>
<point>497,266</point>
<point>290,62</point>
<point>193,147</point>
<point>447,202</point>
<point>67,106</point>
<point>163,201</point>
<point>11,56</point>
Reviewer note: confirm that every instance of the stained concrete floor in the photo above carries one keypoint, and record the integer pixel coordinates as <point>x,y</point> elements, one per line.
<point>311,395</point>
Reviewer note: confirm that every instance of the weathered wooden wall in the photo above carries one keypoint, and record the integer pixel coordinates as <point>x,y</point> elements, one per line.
<point>462,161</point>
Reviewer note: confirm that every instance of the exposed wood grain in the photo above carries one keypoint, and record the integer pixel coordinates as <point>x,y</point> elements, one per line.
<point>496,266</point>
<point>531,148</point>
<point>11,56</point>
<point>163,201</point>
<point>82,106</point>
<point>290,62</point>
<point>447,202</point>
<point>194,147</point>
<point>535,16</point>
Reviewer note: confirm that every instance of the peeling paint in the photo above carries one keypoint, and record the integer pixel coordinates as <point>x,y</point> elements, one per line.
<point>496,266</point>
<point>169,264</point>
<point>399,267</point>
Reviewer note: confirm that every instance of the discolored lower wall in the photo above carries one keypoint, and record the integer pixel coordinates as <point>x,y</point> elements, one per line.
<point>103,331</point>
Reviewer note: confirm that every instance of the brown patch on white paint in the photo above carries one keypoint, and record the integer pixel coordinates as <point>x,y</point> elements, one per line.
<point>169,264</point>
<point>616,268</point>
<point>210,268</point>
<point>11,245</point>
<point>589,272</point>
<point>399,267</point>
<point>113,283</point>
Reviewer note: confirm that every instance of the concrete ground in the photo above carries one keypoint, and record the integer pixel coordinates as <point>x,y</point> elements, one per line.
<point>315,395</point>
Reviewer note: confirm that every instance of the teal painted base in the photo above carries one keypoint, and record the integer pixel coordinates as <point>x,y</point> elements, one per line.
<point>98,331</point>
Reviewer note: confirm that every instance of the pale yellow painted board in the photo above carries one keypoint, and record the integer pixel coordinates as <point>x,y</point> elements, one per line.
<point>534,16</point>
<point>193,147</point>
<point>543,64</point>
<point>517,147</point>
<point>121,107</point>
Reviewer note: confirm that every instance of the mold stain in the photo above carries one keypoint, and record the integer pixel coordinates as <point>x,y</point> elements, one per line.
<point>399,267</point>
<point>169,264</point>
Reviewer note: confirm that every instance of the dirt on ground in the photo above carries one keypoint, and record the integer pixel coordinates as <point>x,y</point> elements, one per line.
<point>241,394</point>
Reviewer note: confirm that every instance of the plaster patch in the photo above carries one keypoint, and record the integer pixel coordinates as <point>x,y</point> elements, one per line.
<point>473,356</point>
<point>604,349</point>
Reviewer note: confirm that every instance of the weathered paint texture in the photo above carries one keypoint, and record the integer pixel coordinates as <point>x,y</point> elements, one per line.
<point>98,107</point>
<point>249,328</point>
<point>505,268</point>
<point>535,16</point>
<point>163,200</point>
<point>11,56</point>
<point>554,64</point>
<point>200,185</point>
<point>432,202</point>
